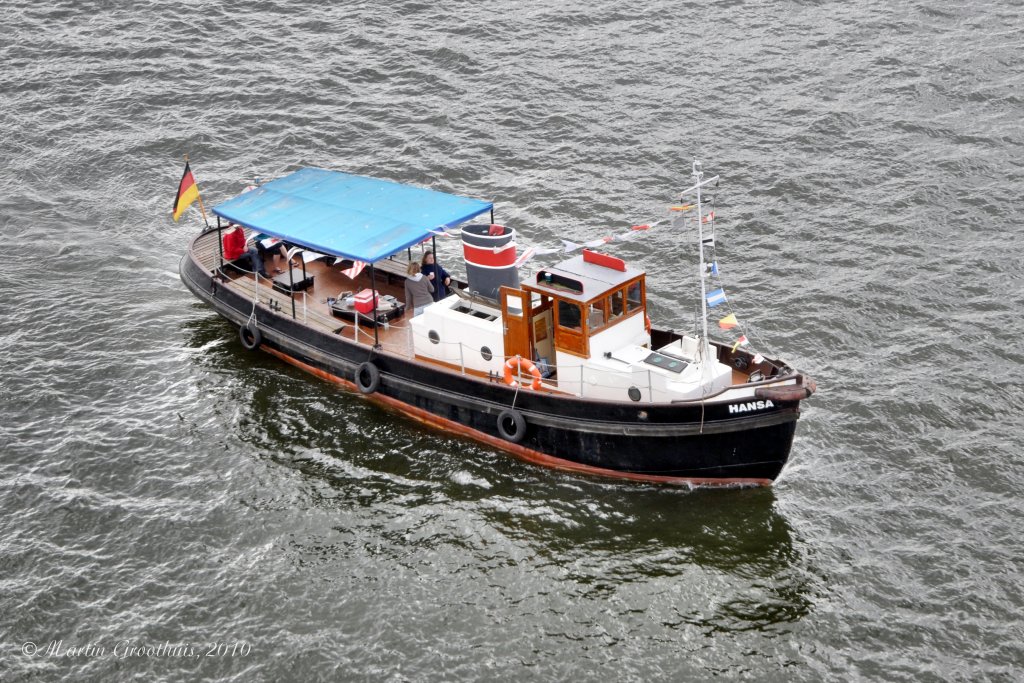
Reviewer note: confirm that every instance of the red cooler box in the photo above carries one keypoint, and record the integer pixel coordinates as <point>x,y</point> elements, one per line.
<point>364,301</point>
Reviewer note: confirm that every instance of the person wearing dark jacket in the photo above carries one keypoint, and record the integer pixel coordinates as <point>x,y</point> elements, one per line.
<point>437,275</point>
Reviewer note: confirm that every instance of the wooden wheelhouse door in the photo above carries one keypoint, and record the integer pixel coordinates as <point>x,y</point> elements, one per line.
<point>515,316</point>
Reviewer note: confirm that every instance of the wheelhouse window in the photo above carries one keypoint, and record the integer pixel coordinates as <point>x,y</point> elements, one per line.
<point>569,315</point>
<point>513,305</point>
<point>635,296</point>
<point>595,314</point>
<point>616,304</point>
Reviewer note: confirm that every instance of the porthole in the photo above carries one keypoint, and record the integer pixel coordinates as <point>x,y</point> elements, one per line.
<point>434,337</point>
<point>634,394</point>
<point>486,353</point>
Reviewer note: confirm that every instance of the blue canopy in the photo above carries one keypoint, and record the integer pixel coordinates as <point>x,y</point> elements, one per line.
<point>345,215</point>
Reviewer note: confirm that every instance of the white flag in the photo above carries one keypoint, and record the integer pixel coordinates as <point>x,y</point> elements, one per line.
<point>353,272</point>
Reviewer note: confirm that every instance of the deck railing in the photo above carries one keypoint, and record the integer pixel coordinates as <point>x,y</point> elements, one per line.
<point>571,379</point>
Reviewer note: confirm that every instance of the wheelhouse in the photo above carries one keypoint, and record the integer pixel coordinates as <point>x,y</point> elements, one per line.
<point>586,306</point>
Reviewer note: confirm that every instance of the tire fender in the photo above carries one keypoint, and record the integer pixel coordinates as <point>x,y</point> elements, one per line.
<point>251,337</point>
<point>511,425</point>
<point>367,378</point>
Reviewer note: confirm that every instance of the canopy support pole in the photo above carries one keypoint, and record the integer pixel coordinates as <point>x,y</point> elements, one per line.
<point>437,269</point>
<point>373,288</point>
<point>291,286</point>
<point>220,245</point>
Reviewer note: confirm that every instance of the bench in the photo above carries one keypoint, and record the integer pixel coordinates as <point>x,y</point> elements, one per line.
<point>394,271</point>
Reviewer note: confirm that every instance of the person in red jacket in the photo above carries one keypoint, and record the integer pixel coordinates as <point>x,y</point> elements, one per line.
<point>236,252</point>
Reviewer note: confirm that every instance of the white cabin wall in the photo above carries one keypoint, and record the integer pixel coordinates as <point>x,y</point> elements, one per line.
<point>608,378</point>
<point>568,367</point>
<point>461,336</point>
<point>628,332</point>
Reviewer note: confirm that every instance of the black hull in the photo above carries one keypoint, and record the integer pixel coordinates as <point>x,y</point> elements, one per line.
<point>685,443</point>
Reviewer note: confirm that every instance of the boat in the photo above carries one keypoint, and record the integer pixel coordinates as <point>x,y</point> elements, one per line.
<point>563,369</point>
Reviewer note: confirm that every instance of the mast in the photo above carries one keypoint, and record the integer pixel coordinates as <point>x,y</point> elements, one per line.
<point>698,174</point>
<point>699,182</point>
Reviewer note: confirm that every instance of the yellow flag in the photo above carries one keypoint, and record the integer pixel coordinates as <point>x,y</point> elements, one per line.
<point>728,322</point>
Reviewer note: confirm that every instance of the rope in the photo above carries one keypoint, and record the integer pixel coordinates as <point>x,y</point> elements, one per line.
<point>726,307</point>
<point>255,300</point>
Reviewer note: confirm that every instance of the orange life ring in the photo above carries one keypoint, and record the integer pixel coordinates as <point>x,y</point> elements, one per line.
<point>518,364</point>
<point>647,323</point>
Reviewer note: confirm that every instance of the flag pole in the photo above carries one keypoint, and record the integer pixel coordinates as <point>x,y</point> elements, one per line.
<point>199,196</point>
<point>202,209</point>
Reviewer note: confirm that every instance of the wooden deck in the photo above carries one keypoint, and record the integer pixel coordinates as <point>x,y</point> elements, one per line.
<point>311,304</point>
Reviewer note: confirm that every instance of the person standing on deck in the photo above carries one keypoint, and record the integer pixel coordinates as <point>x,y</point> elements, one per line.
<point>437,275</point>
<point>418,289</point>
<point>235,251</point>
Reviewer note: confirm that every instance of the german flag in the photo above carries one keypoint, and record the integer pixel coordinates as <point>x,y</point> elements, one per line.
<point>188,192</point>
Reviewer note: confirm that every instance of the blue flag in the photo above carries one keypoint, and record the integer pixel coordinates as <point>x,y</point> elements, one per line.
<point>712,267</point>
<point>716,297</point>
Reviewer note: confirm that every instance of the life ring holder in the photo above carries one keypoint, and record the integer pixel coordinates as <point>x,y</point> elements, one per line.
<point>517,365</point>
<point>511,425</point>
<point>367,378</point>
<point>250,336</point>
